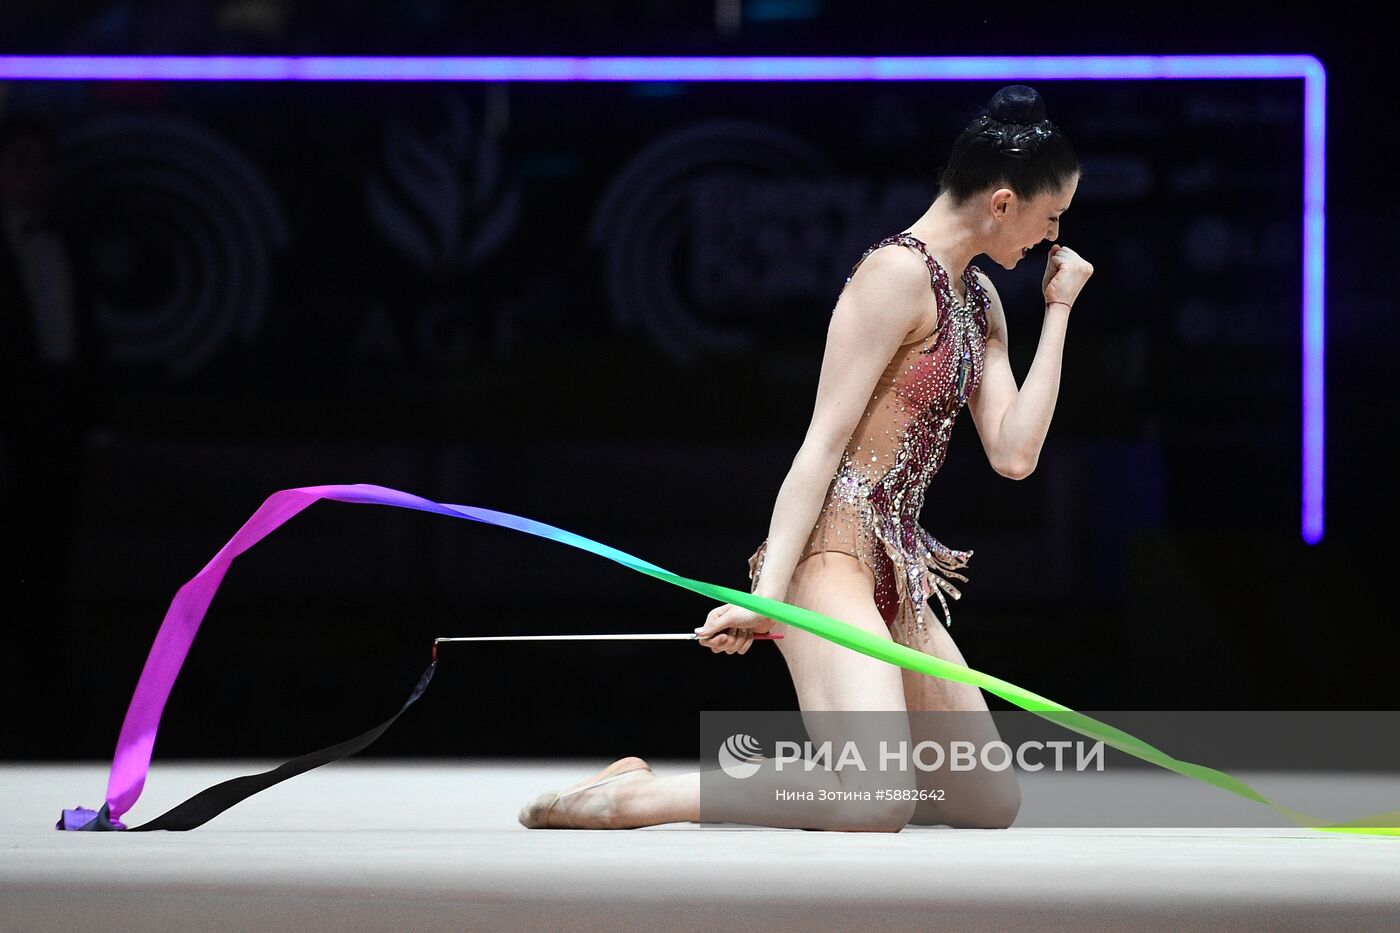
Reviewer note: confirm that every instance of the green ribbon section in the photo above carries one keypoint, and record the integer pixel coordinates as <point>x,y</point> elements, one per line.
<point>857,639</point>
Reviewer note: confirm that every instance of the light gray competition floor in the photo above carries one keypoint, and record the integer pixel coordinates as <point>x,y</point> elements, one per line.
<point>436,846</point>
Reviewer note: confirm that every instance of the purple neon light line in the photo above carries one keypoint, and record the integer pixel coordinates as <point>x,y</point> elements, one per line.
<point>690,68</point>
<point>817,68</point>
<point>1314,301</point>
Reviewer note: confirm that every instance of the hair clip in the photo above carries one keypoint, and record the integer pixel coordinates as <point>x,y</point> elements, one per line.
<point>1021,144</point>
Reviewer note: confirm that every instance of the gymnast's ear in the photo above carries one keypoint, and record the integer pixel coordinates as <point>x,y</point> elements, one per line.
<point>1000,201</point>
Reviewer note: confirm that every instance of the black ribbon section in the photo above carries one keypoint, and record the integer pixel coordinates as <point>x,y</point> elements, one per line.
<point>210,802</point>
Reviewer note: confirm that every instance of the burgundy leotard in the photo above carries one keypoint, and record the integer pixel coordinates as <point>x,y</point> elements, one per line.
<point>872,506</point>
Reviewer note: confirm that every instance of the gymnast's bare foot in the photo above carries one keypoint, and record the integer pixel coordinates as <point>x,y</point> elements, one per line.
<point>597,802</point>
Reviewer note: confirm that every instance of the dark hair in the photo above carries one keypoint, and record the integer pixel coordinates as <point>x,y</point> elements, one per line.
<point>1009,144</point>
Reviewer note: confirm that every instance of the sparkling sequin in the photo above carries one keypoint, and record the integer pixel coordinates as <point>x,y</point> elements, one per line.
<point>872,506</point>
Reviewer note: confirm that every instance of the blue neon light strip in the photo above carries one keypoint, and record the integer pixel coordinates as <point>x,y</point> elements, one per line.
<point>815,68</point>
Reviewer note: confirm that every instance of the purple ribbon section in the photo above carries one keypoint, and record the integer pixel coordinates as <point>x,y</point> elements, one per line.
<point>177,631</point>
<point>79,817</point>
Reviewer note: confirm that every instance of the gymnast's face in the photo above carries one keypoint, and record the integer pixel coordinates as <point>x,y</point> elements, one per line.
<point>1018,225</point>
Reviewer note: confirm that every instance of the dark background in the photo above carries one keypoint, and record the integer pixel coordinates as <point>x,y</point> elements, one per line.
<point>602,307</point>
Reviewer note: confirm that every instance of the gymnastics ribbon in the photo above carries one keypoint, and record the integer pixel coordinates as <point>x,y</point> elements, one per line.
<point>177,631</point>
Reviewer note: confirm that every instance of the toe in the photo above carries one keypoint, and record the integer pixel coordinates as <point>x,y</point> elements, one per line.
<point>532,815</point>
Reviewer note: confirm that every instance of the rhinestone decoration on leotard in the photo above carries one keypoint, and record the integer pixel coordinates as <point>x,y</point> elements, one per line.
<point>872,506</point>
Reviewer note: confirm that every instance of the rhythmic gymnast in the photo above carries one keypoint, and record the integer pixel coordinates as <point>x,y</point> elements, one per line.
<point>908,346</point>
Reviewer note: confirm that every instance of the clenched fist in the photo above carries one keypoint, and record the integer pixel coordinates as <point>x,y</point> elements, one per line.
<point>1065,274</point>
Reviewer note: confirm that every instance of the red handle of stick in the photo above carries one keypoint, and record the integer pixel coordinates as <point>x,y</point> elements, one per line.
<point>766,636</point>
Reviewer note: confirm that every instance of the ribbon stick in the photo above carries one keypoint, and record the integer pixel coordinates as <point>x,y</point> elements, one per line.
<point>137,738</point>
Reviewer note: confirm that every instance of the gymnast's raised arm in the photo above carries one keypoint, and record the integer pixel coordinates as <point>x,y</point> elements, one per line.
<point>1013,422</point>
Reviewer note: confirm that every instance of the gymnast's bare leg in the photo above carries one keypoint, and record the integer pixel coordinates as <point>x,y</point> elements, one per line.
<point>974,799</point>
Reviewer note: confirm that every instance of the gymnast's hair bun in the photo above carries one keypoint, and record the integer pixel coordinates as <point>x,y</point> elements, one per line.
<point>1009,143</point>
<point>1017,103</point>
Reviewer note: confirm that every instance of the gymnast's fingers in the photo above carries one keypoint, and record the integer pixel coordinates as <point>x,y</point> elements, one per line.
<point>714,622</point>
<point>715,642</point>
